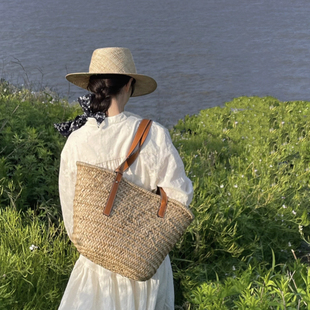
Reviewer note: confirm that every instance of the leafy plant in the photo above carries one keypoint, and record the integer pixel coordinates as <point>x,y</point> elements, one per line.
<point>30,147</point>
<point>248,247</point>
<point>249,163</point>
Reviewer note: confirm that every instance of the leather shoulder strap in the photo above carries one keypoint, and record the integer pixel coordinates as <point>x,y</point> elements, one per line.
<point>133,153</point>
<point>141,134</point>
<point>136,145</point>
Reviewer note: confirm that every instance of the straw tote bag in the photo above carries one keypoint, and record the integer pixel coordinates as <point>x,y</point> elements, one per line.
<point>121,226</point>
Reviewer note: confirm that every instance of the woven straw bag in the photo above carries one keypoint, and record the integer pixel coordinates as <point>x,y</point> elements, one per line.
<point>121,226</point>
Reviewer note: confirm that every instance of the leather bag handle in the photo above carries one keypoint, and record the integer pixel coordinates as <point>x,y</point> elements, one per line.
<point>138,140</point>
<point>133,153</point>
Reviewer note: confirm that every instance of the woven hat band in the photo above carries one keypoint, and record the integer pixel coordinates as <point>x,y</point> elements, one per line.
<point>112,60</point>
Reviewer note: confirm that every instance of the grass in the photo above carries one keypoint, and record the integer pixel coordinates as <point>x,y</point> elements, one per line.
<point>248,247</point>
<point>35,260</point>
<point>249,162</point>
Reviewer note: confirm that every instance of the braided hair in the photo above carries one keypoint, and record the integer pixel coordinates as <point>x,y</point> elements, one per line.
<point>103,88</point>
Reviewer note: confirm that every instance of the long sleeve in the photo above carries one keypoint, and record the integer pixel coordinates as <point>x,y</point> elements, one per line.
<point>67,177</point>
<point>171,176</point>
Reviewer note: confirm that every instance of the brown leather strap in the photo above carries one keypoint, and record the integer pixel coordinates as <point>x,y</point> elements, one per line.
<point>163,205</point>
<point>108,208</point>
<point>133,153</point>
<point>138,141</point>
<point>142,132</point>
<point>139,138</point>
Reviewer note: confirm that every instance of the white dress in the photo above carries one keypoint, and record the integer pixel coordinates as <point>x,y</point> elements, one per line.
<point>91,287</point>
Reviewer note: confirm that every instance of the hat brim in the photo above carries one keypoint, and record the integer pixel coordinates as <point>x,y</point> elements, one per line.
<point>144,84</point>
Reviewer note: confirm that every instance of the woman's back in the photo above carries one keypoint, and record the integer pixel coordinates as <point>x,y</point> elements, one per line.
<point>102,136</point>
<point>107,146</point>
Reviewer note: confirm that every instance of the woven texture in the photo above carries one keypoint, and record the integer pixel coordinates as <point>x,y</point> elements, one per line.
<point>114,60</point>
<point>111,60</point>
<point>133,241</point>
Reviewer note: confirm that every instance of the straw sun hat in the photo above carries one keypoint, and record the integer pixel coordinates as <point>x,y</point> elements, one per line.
<point>114,60</point>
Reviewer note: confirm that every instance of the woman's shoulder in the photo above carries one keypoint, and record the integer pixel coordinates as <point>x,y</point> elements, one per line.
<point>156,127</point>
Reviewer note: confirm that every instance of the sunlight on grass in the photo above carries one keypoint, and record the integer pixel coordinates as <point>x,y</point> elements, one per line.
<point>35,261</point>
<point>248,247</point>
<point>249,163</point>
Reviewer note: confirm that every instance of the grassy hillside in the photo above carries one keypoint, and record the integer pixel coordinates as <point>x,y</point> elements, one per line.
<point>249,162</point>
<point>248,246</point>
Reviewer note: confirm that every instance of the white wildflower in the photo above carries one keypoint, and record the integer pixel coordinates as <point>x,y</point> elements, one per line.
<point>33,247</point>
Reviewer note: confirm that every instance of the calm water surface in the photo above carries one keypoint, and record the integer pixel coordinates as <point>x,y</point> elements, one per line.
<point>202,53</point>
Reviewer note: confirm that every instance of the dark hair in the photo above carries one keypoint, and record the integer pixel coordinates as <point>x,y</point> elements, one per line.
<point>103,87</point>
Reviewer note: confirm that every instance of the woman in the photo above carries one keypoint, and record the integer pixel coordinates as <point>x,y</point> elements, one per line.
<point>102,136</point>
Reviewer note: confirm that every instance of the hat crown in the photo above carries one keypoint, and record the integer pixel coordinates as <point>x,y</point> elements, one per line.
<point>116,60</point>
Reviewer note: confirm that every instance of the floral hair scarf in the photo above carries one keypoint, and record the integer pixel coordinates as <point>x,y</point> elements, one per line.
<point>67,128</point>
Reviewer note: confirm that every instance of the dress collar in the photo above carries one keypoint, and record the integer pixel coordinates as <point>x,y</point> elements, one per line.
<point>108,120</point>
